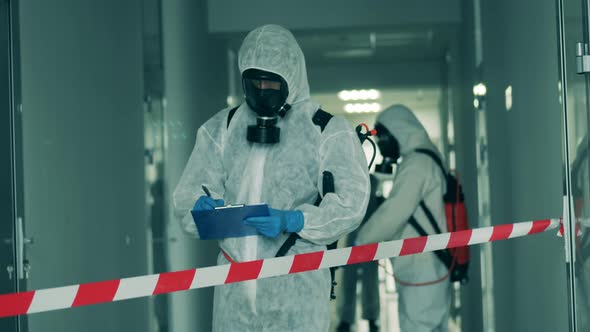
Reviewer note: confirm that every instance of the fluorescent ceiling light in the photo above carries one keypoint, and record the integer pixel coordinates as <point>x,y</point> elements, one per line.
<point>347,95</point>
<point>351,53</point>
<point>508,98</point>
<point>362,108</point>
<point>479,90</point>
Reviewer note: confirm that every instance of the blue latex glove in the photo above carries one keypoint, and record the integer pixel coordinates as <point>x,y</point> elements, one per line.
<point>207,203</point>
<point>278,222</point>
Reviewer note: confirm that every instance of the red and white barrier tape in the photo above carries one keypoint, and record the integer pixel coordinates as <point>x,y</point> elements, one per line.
<point>129,288</point>
<point>561,230</point>
<point>579,225</point>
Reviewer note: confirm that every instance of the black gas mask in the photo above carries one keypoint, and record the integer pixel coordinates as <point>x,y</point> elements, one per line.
<point>266,94</point>
<point>389,148</point>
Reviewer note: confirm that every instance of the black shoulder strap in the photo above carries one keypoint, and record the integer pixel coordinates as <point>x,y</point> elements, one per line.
<point>425,208</point>
<point>328,186</point>
<point>231,114</point>
<point>430,217</point>
<point>321,119</point>
<point>290,242</point>
<point>434,157</point>
<point>443,255</point>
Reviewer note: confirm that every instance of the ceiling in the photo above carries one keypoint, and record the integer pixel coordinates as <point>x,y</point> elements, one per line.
<point>391,45</point>
<point>423,43</point>
<point>424,102</point>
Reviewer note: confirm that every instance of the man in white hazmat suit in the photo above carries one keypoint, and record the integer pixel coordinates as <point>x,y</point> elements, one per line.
<point>241,157</point>
<point>418,178</point>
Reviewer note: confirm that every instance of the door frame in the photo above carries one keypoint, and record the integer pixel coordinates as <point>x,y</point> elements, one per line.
<point>569,217</point>
<point>15,154</point>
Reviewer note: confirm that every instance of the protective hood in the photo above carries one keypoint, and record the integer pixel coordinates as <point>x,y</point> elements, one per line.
<point>406,128</point>
<point>274,49</point>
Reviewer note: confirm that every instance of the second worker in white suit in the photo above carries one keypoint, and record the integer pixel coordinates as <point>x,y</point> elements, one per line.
<point>418,179</point>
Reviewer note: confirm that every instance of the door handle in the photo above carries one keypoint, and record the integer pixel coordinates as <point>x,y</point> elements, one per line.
<point>22,265</point>
<point>20,248</point>
<point>582,58</point>
<point>10,270</point>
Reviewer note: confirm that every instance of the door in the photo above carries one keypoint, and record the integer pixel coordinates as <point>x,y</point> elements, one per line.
<point>12,274</point>
<point>575,70</point>
<point>81,81</point>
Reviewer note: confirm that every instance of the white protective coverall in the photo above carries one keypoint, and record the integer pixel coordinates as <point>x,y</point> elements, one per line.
<point>417,178</point>
<point>286,176</point>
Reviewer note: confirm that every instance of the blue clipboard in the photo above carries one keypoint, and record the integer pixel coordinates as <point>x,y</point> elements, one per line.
<point>227,221</point>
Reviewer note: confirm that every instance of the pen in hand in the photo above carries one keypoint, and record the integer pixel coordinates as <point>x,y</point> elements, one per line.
<point>206,190</point>
<point>216,203</point>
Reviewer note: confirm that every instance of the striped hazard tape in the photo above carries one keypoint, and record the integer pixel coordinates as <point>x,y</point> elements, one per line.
<point>128,288</point>
<point>562,229</point>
